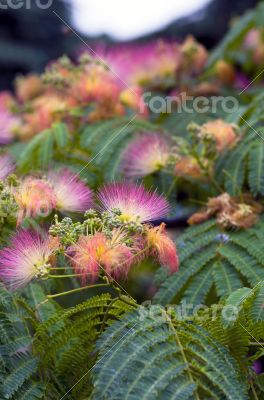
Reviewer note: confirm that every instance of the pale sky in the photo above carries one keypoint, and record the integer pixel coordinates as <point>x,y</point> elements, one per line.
<point>126,19</point>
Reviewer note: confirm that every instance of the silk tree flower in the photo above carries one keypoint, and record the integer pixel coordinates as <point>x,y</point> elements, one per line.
<point>93,253</point>
<point>188,167</point>
<point>157,64</point>
<point>28,87</point>
<point>162,247</point>
<point>9,123</point>
<point>96,83</point>
<point>46,109</point>
<point>99,87</point>
<point>146,154</point>
<point>29,256</point>
<point>34,197</point>
<point>152,63</point>
<point>221,132</point>
<point>71,193</point>
<point>134,202</point>
<point>6,166</point>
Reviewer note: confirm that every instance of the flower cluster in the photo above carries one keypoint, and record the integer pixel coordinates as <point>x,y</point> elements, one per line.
<point>91,84</point>
<point>119,234</point>
<point>107,243</point>
<point>223,134</point>
<point>68,92</point>
<point>60,190</point>
<point>157,64</point>
<point>109,85</point>
<point>230,212</point>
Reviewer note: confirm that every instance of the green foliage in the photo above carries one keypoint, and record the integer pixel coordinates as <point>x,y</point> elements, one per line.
<point>18,366</point>
<point>153,354</point>
<point>45,349</point>
<point>212,259</point>
<point>160,353</point>
<point>40,151</point>
<point>230,47</point>
<point>233,39</point>
<point>243,167</point>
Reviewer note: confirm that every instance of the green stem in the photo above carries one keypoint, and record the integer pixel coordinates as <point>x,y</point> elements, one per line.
<point>106,313</point>
<point>52,296</point>
<point>65,276</point>
<point>125,300</point>
<point>254,391</point>
<point>178,341</point>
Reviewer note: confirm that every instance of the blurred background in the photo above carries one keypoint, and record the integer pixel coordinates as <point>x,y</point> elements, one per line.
<point>33,32</point>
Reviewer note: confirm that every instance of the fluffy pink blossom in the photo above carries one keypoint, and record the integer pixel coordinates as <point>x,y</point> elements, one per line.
<point>93,253</point>
<point>29,256</point>
<point>71,193</point>
<point>34,197</point>
<point>134,202</point>
<point>162,247</point>
<point>146,154</point>
<point>8,121</point>
<point>6,166</point>
<point>142,64</point>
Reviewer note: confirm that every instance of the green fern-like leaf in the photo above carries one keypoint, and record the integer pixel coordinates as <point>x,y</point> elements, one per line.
<point>233,39</point>
<point>153,355</point>
<point>242,168</point>
<point>256,168</point>
<point>218,260</point>
<point>44,148</point>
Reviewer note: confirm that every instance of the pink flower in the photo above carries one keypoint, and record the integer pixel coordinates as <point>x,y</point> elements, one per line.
<point>29,256</point>
<point>134,202</point>
<point>6,166</point>
<point>8,121</point>
<point>162,247</point>
<point>70,191</point>
<point>34,197</point>
<point>96,84</point>
<point>92,253</point>
<point>223,133</point>
<point>145,154</point>
<point>143,64</point>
